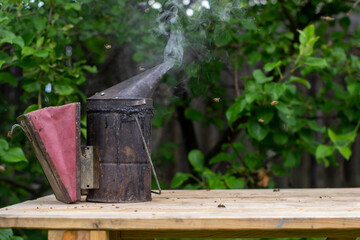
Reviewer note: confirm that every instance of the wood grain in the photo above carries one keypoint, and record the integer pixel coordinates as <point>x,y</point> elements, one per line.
<point>77,235</point>
<point>183,213</point>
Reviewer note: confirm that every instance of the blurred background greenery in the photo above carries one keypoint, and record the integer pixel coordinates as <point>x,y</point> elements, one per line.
<point>267,95</point>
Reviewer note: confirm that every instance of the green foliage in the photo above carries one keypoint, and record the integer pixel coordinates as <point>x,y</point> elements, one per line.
<point>300,71</point>
<point>38,67</point>
<point>11,155</point>
<point>7,234</point>
<point>278,108</point>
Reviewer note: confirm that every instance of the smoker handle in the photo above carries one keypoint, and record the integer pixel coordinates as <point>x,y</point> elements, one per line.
<point>148,156</point>
<point>10,133</point>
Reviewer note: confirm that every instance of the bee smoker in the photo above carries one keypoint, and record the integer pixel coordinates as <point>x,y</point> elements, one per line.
<point>116,165</point>
<point>119,123</point>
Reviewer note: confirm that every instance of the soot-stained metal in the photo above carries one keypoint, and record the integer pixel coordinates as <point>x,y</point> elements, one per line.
<point>119,124</point>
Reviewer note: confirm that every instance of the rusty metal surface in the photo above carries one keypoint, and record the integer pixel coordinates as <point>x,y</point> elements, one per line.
<point>125,174</point>
<point>89,167</point>
<point>115,116</point>
<point>123,183</point>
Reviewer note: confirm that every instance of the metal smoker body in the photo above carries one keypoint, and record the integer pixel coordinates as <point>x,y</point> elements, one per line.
<point>119,122</point>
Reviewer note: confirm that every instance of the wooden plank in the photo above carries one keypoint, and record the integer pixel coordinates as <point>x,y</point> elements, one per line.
<point>77,235</point>
<point>201,214</point>
<point>213,234</point>
<point>68,235</point>
<point>99,235</point>
<point>148,235</point>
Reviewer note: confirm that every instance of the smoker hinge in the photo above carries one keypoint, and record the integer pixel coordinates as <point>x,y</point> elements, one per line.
<point>90,166</point>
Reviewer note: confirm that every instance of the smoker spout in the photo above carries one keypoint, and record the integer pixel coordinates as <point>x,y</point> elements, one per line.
<point>140,86</point>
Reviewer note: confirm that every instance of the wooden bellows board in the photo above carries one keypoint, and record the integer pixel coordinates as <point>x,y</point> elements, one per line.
<point>54,134</point>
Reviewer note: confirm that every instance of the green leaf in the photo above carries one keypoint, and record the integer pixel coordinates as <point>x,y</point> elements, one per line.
<point>2,62</point>
<point>307,40</point>
<point>27,51</point>
<point>40,23</point>
<point>3,20</point>
<point>280,138</point>
<point>222,36</point>
<point>63,90</point>
<point>323,151</point>
<point>315,127</point>
<point>265,113</point>
<point>252,161</point>
<point>235,183</point>
<point>6,234</point>
<point>76,6</point>
<point>250,97</point>
<point>315,62</point>
<point>193,114</point>
<point>283,108</point>
<point>196,159</point>
<point>13,155</point>
<point>4,145</point>
<point>19,41</point>
<point>339,54</point>
<point>309,31</point>
<point>6,36</point>
<point>308,137</point>
<point>10,37</point>
<point>220,157</point>
<point>260,77</point>
<point>341,140</point>
<point>291,159</point>
<point>257,130</point>
<point>214,180</point>
<point>6,77</point>
<point>90,69</point>
<point>179,179</point>
<point>275,89</point>
<point>353,89</point>
<point>299,80</point>
<point>39,42</point>
<point>31,74</point>
<point>31,85</point>
<point>345,22</point>
<point>16,238</point>
<point>332,136</point>
<point>248,23</point>
<point>238,146</point>
<point>278,170</point>
<point>31,108</point>
<point>253,57</point>
<point>235,111</point>
<point>42,53</point>
<point>345,152</point>
<point>270,66</point>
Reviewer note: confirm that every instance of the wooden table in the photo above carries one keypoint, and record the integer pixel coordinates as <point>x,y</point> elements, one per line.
<point>333,213</point>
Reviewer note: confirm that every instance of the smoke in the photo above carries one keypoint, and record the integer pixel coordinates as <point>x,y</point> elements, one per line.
<point>186,24</point>
<point>171,27</point>
<point>174,50</point>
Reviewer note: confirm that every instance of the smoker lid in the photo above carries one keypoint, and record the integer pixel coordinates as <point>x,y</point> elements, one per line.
<point>139,86</point>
